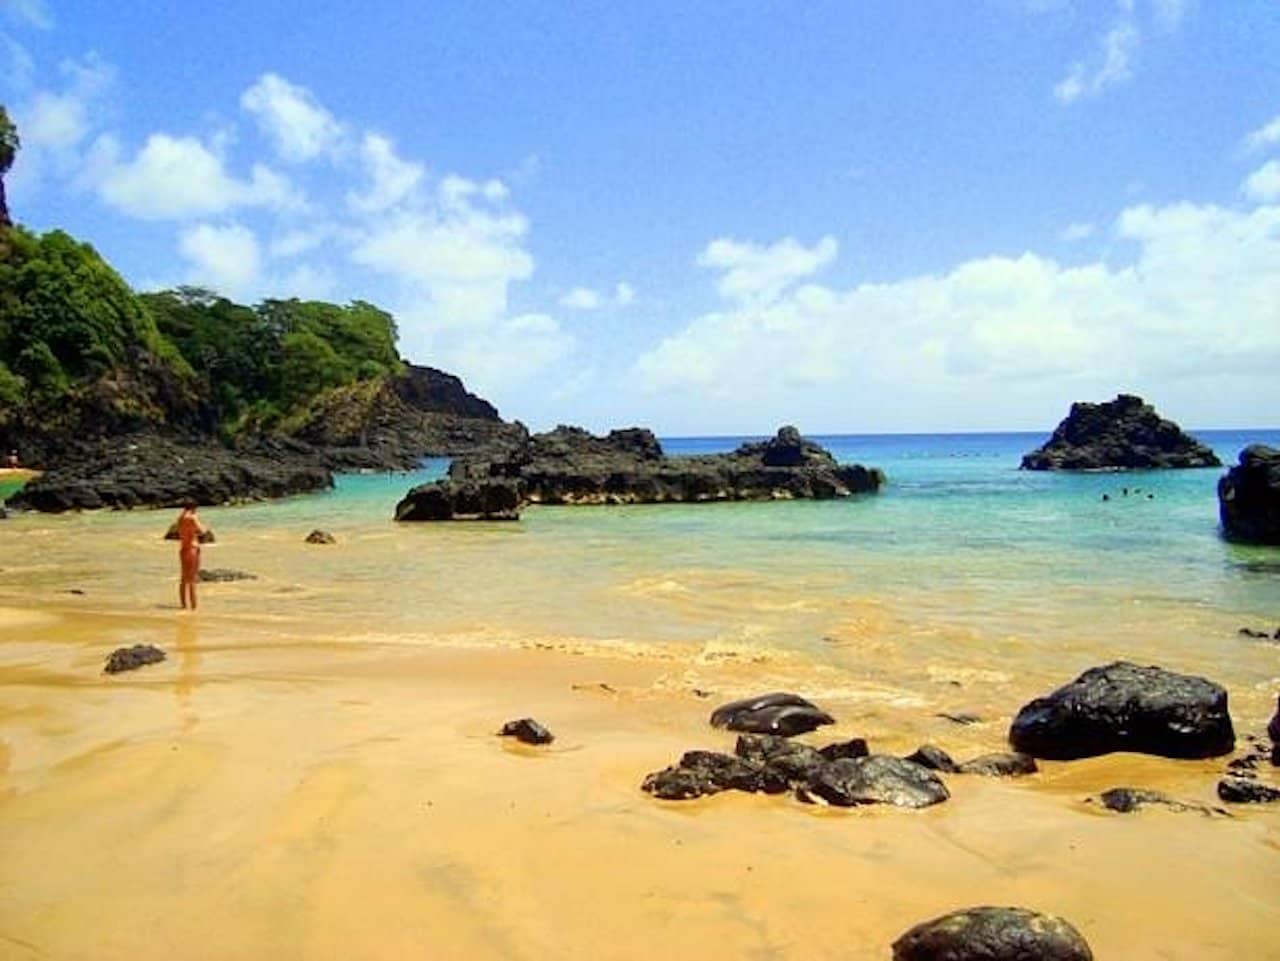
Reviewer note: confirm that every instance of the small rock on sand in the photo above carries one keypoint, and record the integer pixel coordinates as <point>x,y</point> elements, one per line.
<point>132,658</point>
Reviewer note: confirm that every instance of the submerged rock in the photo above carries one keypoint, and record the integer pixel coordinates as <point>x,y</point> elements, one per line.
<point>1249,497</point>
<point>1002,764</point>
<point>992,934</point>
<point>132,658</point>
<point>1124,707</point>
<point>877,779</point>
<point>222,575</point>
<point>1118,434</point>
<point>778,713</point>
<point>318,536</point>
<point>528,731</point>
<point>1125,800</point>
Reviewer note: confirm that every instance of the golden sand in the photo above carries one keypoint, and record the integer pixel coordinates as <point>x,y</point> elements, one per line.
<point>271,793</point>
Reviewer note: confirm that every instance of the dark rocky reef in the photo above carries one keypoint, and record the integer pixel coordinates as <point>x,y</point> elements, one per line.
<point>1125,707</point>
<point>132,658</point>
<point>148,470</point>
<point>1125,433</point>
<point>1249,497</point>
<point>571,466</point>
<point>992,934</point>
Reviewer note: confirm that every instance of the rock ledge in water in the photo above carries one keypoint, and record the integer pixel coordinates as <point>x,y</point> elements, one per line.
<point>1124,707</point>
<point>1124,433</point>
<point>992,934</point>
<point>571,466</point>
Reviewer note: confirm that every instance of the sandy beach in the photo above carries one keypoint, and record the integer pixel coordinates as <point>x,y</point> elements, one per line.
<point>267,793</point>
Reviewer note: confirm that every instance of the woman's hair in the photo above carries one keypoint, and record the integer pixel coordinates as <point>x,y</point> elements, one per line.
<point>188,503</point>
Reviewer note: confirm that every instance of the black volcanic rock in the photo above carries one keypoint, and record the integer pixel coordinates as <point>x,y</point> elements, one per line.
<point>149,470</point>
<point>528,731</point>
<point>1124,707</point>
<point>779,713</point>
<point>934,758</point>
<point>489,499</point>
<point>1249,497</point>
<point>792,761</point>
<point>992,934</point>
<point>1273,726</point>
<point>1126,800</point>
<point>1124,433</point>
<point>877,779</point>
<point>571,466</point>
<point>1239,790</point>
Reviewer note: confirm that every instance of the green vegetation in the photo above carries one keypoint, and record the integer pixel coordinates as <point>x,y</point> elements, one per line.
<point>82,352</point>
<point>72,332</point>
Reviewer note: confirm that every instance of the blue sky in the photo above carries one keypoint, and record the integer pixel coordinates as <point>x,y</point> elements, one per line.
<point>705,218</point>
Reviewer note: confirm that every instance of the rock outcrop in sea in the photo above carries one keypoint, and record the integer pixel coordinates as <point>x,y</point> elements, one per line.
<point>1249,497</point>
<point>1125,433</point>
<point>1125,707</point>
<point>570,466</point>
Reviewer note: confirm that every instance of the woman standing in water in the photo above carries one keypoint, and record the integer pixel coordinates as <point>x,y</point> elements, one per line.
<point>189,531</point>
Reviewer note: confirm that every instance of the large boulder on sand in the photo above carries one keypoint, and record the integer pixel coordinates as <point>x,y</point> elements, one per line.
<point>877,779</point>
<point>992,934</point>
<point>1249,497</point>
<point>1125,707</point>
<point>778,713</point>
<point>1119,434</point>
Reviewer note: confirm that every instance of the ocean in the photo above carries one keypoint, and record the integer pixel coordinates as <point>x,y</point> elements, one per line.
<point>961,558</point>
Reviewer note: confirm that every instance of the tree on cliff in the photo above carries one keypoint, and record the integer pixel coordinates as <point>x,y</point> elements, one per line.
<point>9,144</point>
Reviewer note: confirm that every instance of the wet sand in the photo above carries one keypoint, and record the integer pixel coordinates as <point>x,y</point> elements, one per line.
<point>271,792</point>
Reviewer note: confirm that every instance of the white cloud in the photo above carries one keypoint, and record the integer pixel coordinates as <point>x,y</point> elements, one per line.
<point>391,179</point>
<point>1118,48</point>
<point>1268,135</point>
<point>32,13</point>
<point>298,127</point>
<point>623,294</point>
<point>507,354</point>
<point>226,259</point>
<point>1198,304</point>
<point>1078,231</point>
<point>1263,185</point>
<point>181,178</point>
<point>581,298</point>
<point>756,273</point>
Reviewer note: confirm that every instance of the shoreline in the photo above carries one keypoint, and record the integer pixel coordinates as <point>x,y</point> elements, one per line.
<point>322,796</point>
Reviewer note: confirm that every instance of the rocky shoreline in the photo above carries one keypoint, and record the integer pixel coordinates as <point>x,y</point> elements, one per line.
<point>387,425</point>
<point>569,466</point>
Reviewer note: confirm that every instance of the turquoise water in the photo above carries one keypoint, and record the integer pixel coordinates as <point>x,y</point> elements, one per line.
<point>961,559</point>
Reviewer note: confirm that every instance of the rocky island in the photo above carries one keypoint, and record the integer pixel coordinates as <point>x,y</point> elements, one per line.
<point>1122,434</point>
<point>571,466</point>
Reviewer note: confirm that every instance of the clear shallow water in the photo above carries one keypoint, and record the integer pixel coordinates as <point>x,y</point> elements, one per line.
<point>961,562</point>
